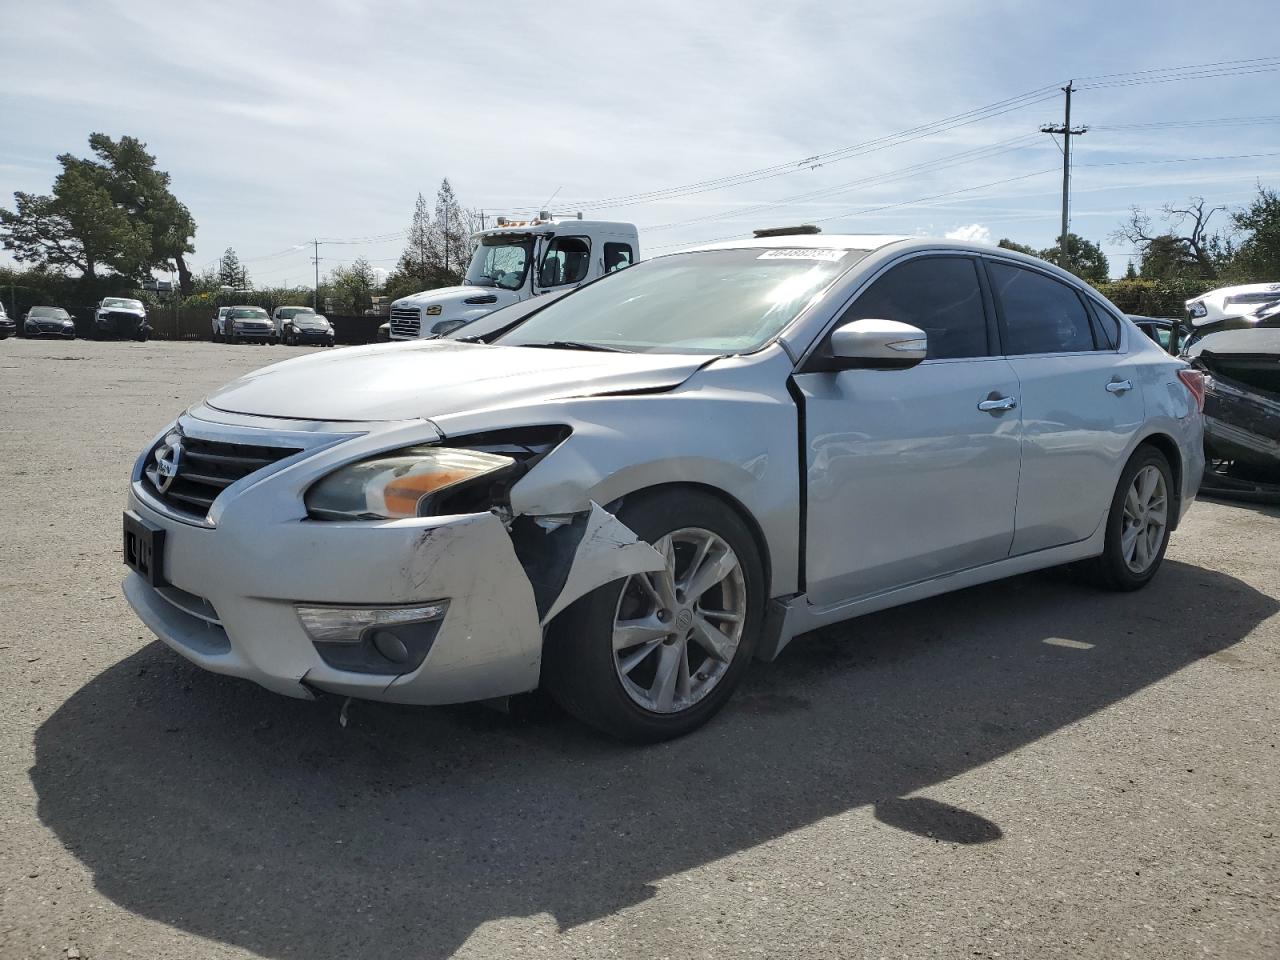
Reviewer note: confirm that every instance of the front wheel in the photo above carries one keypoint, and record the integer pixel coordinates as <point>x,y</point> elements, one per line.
<point>1139,523</point>
<point>657,655</point>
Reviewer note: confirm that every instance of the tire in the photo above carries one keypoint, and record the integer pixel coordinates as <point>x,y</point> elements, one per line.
<point>584,675</point>
<point>1112,570</point>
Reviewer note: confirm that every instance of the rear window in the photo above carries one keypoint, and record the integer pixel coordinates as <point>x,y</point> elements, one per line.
<point>1041,315</point>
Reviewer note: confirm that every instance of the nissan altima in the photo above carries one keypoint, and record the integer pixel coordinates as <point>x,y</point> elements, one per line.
<point>625,496</point>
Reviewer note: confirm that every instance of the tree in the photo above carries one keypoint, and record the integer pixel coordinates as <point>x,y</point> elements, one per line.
<point>354,285</point>
<point>1258,256</point>
<point>142,191</point>
<point>1008,244</point>
<point>450,236</point>
<point>1130,272</point>
<point>416,259</point>
<point>231,272</point>
<point>77,227</point>
<point>1084,258</point>
<point>114,212</point>
<point>1187,248</point>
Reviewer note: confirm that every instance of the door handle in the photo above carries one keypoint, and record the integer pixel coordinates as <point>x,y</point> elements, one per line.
<point>998,404</point>
<point>1119,386</point>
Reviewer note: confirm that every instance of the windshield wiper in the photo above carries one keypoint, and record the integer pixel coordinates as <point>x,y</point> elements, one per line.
<point>574,345</point>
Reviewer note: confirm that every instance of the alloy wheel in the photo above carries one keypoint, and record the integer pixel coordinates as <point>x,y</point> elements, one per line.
<point>1146,516</point>
<point>676,631</point>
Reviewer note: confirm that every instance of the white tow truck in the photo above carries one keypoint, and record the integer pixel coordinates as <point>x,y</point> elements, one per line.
<point>514,261</point>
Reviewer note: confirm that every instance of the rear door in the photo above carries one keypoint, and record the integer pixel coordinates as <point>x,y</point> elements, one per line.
<point>910,478</point>
<point>1081,404</point>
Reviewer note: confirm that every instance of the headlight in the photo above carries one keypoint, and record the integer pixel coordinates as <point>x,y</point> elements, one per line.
<point>400,484</point>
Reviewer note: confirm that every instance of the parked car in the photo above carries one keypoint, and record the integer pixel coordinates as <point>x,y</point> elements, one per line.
<point>1241,410</point>
<point>219,334</point>
<point>48,322</point>
<point>1242,300</point>
<point>1159,329</point>
<point>248,325</point>
<point>282,318</point>
<point>633,491</point>
<point>8,326</point>
<point>309,327</point>
<point>120,318</point>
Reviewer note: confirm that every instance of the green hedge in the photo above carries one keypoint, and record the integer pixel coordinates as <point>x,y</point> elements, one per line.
<point>1154,298</point>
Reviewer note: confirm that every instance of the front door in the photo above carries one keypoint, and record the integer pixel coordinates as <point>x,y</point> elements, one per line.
<point>912,474</point>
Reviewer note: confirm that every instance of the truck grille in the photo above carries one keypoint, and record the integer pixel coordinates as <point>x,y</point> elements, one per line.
<point>405,322</point>
<point>205,468</point>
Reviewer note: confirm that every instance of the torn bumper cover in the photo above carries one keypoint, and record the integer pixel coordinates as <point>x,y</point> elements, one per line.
<point>473,596</point>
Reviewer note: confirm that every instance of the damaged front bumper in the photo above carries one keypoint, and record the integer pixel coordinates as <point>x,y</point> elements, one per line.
<point>233,597</point>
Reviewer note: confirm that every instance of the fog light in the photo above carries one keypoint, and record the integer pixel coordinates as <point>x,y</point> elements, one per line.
<point>388,641</point>
<point>348,624</point>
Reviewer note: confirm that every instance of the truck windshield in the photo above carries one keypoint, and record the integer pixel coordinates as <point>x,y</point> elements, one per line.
<point>712,302</point>
<point>501,261</point>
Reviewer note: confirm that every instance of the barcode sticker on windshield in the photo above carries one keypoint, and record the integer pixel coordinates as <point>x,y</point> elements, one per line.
<point>830,256</point>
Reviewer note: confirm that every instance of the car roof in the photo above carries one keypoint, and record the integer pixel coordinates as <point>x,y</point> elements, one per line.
<point>807,241</point>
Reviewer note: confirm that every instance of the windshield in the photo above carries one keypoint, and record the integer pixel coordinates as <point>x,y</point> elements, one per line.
<point>501,261</point>
<point>714,301</point>
<point>249,313</point>
<point>56,312</point>
<point>122,302</point>
<point>288,313</point>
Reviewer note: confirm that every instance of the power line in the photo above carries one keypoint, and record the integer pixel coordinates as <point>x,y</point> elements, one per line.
<point>975,115</point>
<point>985,152</point>
<point>1192,66</point>
<point>1175,124</point>
<point>888,206</point>
<point>1232,156</point>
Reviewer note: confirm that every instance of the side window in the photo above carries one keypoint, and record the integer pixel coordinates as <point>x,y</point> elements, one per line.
<point>565,261</point>
<point>1106,328</point>
<point>1041,315</point>
<point>617,256</point>
<point>940,295</point>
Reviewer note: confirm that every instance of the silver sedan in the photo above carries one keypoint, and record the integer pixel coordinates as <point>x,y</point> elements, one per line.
<point>627,495</point>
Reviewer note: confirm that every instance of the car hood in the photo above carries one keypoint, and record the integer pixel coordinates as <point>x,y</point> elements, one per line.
<point>435,378</point>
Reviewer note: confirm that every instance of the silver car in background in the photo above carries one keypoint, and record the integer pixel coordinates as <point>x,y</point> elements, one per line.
<point>628,494</point>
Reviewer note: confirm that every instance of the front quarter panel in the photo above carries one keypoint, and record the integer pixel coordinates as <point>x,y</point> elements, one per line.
<point>730,427</point>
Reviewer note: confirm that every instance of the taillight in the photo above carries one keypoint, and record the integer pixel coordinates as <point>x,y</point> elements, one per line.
<point>1193,380</point>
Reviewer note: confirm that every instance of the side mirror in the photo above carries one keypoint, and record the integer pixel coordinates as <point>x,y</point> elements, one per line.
<point>874,344</point>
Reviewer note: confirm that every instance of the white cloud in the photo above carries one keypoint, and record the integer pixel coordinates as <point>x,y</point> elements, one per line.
<point>972,232</point>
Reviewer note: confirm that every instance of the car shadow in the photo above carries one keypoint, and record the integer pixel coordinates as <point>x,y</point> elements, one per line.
<point>221,809</point>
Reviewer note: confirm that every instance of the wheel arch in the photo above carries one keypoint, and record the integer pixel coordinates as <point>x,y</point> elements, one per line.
<point>732,502</point>
<point>1173,455</point>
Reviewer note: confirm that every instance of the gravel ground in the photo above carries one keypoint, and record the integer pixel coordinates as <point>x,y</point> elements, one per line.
<point>1026,769</point>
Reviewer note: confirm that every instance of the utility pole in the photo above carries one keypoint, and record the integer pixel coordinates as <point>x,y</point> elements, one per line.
<point>1067,132</point>
<point>315,296</point>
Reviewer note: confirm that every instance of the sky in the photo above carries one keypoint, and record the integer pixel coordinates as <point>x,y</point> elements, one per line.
<point>281,122</point>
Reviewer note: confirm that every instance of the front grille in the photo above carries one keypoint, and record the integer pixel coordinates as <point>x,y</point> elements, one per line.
<point>206,468</point>
<point>405,322</point>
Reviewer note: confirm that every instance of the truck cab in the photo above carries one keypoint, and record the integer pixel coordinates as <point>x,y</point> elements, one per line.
<point>514,261</point>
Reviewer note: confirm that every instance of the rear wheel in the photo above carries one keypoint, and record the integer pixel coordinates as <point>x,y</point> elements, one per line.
<point>656,655</point>
<point>1138,525</point>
